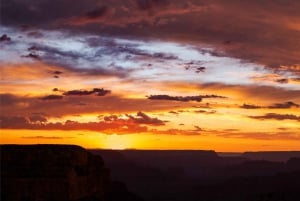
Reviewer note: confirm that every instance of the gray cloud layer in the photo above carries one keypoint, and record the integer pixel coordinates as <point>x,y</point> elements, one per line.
<point>264,32</point>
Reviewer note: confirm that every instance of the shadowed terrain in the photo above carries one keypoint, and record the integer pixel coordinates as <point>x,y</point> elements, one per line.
<point>71,173</point>
<point>206,175</point>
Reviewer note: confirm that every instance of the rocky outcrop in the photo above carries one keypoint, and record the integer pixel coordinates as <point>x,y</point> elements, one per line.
<point>51,173</point>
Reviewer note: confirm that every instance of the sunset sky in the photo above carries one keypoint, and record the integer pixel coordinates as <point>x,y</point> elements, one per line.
<point>151,74</point>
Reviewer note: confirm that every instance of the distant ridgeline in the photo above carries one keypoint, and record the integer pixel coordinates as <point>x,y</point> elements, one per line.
<point>56,173</point>
<point>272,155</point>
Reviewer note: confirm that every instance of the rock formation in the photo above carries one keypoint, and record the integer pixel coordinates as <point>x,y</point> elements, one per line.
<point>51,173</point>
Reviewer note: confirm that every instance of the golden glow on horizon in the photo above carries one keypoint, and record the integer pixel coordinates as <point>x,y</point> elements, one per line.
<point>145,141</point>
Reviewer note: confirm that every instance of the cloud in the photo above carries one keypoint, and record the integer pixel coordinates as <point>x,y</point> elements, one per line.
<point>37,119</point>
<point>97,91</point>
<point>174,112</point>
<point>74,105</point>
<point>150,4</point>
<point>249,106</point>
<point>253,92</point>
<point>15,122</point>
<point>39,137</point>
<point>175,131</point>
<point>52,97</point>
<point>286,105</point>
<point>259,135</point>
<point>9,100</point>
<point>196,65</point>
<point>175,98</point>
<point>56,58</point>
<point>123,14</point>
<point>205,111</point>
<point>264,33</point>
<point>273,77</point>
<point>108,124</point>
<point>142,118</point>
<point>5,38</point>
<point>182,98</point>
<point>282,81</point>
<point>96,13</point>
<point>32,56</point>
<point>277,117</point>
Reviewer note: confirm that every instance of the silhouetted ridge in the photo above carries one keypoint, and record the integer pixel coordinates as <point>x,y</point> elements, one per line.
<point>271,155</point>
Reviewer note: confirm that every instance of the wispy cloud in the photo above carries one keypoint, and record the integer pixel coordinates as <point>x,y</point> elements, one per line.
<point>183,98</point>
<point>276,116</point>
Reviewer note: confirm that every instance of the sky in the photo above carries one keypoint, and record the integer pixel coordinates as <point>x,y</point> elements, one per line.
<point>151,74</point>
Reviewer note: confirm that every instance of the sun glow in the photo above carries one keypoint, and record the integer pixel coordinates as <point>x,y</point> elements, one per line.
<point>117,142</point>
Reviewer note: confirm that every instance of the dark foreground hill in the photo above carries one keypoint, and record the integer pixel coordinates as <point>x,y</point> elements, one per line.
<point>57,173</point>
<point>70,173</point>
<point>203,175</point>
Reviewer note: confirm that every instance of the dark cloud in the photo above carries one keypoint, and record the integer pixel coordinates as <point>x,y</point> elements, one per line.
<point>35,34</point>
<point>197,128</point>
<point>37,13</point>
<point>132,50</point>
<point>37,118</point>
<point>32,56</point>
<point>249,106</point>
<point>4,38</point>
<point>183,98</point>
<point>33,49</point>
<point>283,129</point>
<point>142,118</point>
<point>96,70</point>
<point>200,69</point>
<point>52,97</point>
<point>286,105</point>
<point>296,79</point>
<point>57,72</point>
<point>176,98</point>
<point>149,4</point>
<point>50,54</point>
<point>266,33</point>
<point>9,99</point>
<point>16,122</point>
<point>97,91</point>
<point>277,117</point>
<point>78,62</point>
<point>282,81</point>
<point>205,111</point>
<point>73,105</point>
<point>196,65</point>
<point>107,124</point>
<point>139,118</point>
<point>96,13</point>
<point>173,112</point>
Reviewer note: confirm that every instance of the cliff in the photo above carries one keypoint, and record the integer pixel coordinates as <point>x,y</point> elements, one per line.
<point>51,173</point>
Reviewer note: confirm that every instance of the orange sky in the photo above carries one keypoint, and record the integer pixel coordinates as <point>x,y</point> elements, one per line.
<point>134,75</point>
